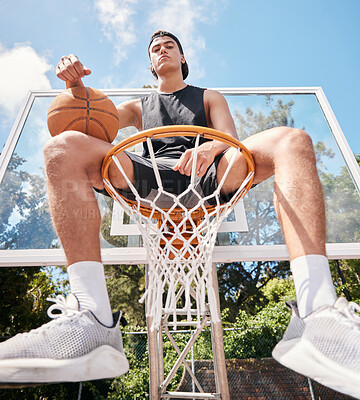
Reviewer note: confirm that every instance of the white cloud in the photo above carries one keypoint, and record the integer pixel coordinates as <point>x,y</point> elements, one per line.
<point>21,69</point>
<point>116,17</point>
<point>183,18</point>
<point>124,21</point>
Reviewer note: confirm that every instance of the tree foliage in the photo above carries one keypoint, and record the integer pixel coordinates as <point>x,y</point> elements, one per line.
<point>125,283</point>
<point>23,197</point>
<point>342,207</point>
<point>346,277</point>
<point>23,291</point>
<point>255,336</point>
<point>12,197</point>
<point>23,294</point>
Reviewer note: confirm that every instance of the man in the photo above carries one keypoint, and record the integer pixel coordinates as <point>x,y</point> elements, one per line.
<point>322,340</point>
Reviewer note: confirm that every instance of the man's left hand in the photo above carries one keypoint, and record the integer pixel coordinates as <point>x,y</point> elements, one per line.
<point>205,157</point>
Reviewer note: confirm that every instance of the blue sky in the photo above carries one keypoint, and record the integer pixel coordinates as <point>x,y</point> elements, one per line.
<point>262,43</point>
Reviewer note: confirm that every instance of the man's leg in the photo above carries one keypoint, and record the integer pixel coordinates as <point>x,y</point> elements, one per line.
<point>83,342</point>
<point>73,167</point>
<point>288,154</point>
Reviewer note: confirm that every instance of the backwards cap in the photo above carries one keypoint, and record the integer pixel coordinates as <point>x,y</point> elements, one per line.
<point>184,67</point>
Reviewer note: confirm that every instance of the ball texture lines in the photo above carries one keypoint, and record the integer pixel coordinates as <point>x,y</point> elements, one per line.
<point>86,110</point>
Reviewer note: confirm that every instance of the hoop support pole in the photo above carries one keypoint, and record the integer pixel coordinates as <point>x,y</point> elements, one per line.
<point>158,382</point>
<point>217,342</point>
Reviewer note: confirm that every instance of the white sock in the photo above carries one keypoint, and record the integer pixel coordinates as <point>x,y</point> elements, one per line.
<point>88,284</point>
<point>313,283</point>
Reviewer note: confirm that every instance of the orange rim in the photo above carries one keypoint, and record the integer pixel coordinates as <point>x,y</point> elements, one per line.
<point>171,131</point>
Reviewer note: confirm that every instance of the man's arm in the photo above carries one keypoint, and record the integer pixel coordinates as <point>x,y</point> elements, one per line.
<point>71,70</point>
<point>219,117</point>
<point>218,114</point>
<point>130,114</point>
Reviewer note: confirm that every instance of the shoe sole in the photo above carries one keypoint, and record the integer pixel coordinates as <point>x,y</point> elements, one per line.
<point>303,358</point>
<point>102,363</point>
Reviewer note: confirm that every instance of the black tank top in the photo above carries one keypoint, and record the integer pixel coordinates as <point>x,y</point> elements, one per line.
<point>183,107</point>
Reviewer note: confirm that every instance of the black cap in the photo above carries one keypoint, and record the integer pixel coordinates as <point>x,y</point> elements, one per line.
<point>184,67</point>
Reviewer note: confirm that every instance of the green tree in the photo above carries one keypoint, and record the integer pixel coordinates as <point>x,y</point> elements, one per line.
<point>346,277</point>
<point>241,284</point>
<point>12,196</point>
<point>23,290</point>
<point>23,294</point>
<point>23,195</point>
<point>37,219</point>
<point>342,208</point>
<point>255,335</point>
<point>125,283</point>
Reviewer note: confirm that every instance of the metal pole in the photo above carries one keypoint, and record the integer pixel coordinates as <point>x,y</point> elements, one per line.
<point>218,345</point>
<point>192,364</point>
<point>80,390</point>
<point>311,389</point>
<point>153,351</point>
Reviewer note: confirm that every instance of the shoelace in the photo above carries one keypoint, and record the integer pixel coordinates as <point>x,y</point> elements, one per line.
<point>65,311</point>
<point>60,305</point>
<point>349,314</point>
<point>353,311</point>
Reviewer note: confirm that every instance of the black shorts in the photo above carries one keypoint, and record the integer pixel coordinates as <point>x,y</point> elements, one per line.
<point>173,182</point>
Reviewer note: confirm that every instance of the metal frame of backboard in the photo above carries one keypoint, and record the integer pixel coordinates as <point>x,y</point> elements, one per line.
<point>136,255</point>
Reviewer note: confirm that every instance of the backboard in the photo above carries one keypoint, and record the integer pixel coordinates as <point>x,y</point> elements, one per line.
<point>251,233</point>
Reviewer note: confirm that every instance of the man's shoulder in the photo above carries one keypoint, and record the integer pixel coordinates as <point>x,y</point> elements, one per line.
<point>133,105</point>
<point>211,96</point>
<point>212,92</point>
<point>132,102</point>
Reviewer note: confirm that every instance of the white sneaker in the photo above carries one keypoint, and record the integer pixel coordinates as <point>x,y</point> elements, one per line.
<point>73,347</point>
<point>325,346</point>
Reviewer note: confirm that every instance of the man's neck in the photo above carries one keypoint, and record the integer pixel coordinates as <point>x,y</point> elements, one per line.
<point>170,85</point>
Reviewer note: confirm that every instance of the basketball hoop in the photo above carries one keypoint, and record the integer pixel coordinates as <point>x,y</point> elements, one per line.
<point>180,249</point>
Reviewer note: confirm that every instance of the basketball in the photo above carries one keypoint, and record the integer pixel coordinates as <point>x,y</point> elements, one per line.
<point>85,110</point>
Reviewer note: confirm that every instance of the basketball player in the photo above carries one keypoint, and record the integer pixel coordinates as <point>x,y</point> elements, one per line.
<point>84,343</point>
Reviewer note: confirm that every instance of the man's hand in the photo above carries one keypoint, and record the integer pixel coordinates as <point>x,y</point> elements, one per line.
<point>205,156</point>
<point>71,70</point>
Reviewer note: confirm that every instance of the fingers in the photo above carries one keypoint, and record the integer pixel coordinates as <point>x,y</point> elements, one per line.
<point>203,168</point>
<point>71,69</point>
<point>185,163</point>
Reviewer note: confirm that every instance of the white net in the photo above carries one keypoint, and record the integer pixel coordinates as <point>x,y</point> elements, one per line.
<point>179,248</point>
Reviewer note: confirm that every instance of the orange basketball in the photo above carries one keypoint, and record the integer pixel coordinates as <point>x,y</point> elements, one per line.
<point>85,110</point>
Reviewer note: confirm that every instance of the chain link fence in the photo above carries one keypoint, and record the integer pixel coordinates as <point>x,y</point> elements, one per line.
<point>252,373</point>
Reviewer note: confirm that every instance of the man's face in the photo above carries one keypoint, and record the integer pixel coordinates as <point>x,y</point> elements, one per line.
<point>164,54</point>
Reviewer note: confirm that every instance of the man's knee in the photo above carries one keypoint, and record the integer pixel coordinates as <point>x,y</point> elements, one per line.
<point>294,141</point>
<point>61,150</point>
